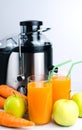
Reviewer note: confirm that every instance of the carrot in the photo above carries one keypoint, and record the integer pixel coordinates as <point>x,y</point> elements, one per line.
<point>2,100</point>
<point>6,91</point>
<point>12,121</point>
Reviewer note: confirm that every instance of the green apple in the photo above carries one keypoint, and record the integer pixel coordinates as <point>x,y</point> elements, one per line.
<point>65,112</point>
<point>77,97</point>
<point>15,105</point>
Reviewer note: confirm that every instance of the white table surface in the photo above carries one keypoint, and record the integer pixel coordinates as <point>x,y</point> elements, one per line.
<point>52,125</point>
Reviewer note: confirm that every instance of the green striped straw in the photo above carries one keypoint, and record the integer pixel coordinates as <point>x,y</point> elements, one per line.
<point>52,71</point>
<point>73,64</point>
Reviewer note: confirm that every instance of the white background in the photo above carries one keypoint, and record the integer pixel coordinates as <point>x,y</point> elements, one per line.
<point>63,16</point>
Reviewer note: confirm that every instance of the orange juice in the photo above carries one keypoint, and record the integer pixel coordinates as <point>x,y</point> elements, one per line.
<point>61,86</point>
<point>39,102</point>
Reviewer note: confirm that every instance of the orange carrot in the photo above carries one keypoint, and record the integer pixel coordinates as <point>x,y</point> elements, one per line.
<point>2,100</point>
<point>6,91</point>
<point>12,121</point>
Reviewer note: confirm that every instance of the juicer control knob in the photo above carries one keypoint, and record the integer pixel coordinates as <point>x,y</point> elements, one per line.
<point>20,78</point>
<point>51,67</point>
<point>22,89</point>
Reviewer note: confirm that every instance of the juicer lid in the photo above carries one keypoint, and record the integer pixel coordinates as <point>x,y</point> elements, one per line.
<point>31,23</point>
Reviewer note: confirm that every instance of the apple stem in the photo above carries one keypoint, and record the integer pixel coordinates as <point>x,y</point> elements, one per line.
<point>14,93</point>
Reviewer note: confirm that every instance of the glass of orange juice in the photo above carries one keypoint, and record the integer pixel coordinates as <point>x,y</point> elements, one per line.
<point>39,99</point>
<point>61,87</point>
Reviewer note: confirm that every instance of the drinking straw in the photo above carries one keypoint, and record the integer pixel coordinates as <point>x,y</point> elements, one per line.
<point>73,64</point>
<point>58,65</point>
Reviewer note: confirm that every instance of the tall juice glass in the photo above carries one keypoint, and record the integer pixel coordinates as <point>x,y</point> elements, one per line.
<point>61,87</point>
<point>39,100</point>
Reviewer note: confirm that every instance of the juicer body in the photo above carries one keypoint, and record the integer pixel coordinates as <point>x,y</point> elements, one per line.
<point>33,63</point>
<point>31,54</point>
